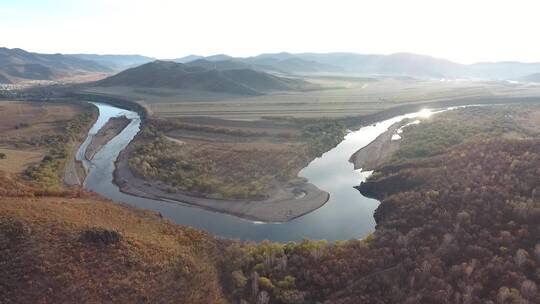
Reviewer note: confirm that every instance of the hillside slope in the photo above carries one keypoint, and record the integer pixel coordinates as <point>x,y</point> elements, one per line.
<point>201,77</point>
<point>86,250</point>
<point>17,65</point>
<point>451,228</point>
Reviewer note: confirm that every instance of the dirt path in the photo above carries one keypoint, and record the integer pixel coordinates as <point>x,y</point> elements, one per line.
<point>71,178</point>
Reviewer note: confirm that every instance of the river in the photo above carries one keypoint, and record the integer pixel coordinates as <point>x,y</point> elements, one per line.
<point>346,215</point>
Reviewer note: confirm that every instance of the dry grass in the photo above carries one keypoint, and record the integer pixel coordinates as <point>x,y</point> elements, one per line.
<point>17,161</point>
<point>45,254</point>
<point>40,117</point>
<point>24,125</point>
<point>46,260</point>
<point>341,98</point>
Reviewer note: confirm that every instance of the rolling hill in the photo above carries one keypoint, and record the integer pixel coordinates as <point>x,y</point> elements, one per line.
<point>166,74</point>
<point>284,63</point>
<point>18,65</point>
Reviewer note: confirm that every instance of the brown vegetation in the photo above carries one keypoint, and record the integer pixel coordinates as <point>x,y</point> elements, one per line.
<point>68,250</point>
<point>461,228</point>
<point>39,137</point>
<point>458,227</point>
<point>60,245</point>
<point>247,164</point>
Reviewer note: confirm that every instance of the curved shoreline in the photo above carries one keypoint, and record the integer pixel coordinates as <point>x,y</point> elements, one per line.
<point>378,151</point>
<point>272,210</point>
<point>268,211</point>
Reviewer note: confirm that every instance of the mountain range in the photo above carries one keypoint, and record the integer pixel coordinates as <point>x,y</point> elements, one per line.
<point>398,64</point>
<point>116,62</point>
<point>17,65</point>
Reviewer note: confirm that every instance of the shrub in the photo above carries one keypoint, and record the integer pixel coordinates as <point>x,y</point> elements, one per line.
<point>266,283</point>
<point>101,236</point>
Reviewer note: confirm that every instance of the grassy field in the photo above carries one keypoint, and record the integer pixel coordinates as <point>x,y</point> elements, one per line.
<point>81,248</point>
<point>340,97</point>
<point>21,123</point>
<point>36,137</point>
<point>16,161</point>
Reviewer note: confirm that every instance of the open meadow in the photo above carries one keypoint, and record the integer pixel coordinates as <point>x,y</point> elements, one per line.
<point>338,97</point>
<point>36,138</point>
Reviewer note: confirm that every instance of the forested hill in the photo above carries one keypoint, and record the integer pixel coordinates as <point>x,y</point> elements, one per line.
<point>459,227</point>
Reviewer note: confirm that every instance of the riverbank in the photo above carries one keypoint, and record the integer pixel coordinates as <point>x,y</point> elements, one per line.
<point>290,201</point>
<point>113,100</point>
<point>74,172</point>
<point>378,151</point>
<point>112,127</point>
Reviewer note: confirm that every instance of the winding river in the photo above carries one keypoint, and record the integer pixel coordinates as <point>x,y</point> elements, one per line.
<point>346,215</point>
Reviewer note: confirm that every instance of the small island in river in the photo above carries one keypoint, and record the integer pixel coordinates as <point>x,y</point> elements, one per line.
<point>113,127</point>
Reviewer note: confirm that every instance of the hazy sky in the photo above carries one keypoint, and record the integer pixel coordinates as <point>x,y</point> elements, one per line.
<point>463,31</point>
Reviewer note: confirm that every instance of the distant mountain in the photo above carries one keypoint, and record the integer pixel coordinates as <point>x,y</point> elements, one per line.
<point>219,57</point>
<point>425,66</point>
<point>281,62</point>
<point>402,64</point>
<point>230,64</point>
<point>509,70</point>
<point>188,58</point>
<point>17,65</point>
<point>338,63</point>
<point>116,62</point>
<point>396,64</point>
<point>531,78</point>
<point>166,74</point>
<point>411,65</point>
<point>287,63</point>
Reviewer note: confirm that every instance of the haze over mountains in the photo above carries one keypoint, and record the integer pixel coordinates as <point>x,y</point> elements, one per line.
<point>117,62</point>
<point>18,65</point>
<point>402,64</point>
